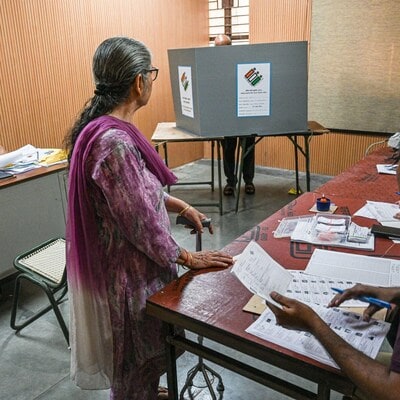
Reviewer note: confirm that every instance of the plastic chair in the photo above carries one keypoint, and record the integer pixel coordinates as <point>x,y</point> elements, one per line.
<point>44,266</point>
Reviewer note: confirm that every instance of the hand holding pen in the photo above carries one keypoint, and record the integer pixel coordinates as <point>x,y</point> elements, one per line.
<point>377,297</point>
<point>368,299</point>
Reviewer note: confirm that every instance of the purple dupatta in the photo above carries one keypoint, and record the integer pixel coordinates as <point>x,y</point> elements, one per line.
<point>90,323</point>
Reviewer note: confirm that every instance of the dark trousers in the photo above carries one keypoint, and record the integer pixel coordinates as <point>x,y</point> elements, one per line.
<point>229,147</point>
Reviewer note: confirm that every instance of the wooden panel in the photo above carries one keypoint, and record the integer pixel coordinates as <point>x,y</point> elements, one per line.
<point>46,52</point>
<point>356,83</point>
<point>45,72</point>
<point>290,20</point>
<point>330,153</point>
<point>279,20</point>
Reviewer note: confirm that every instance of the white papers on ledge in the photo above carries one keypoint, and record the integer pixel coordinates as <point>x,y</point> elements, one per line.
<point>29,157</point>
<point>24,156</point>
<point>260,273</point>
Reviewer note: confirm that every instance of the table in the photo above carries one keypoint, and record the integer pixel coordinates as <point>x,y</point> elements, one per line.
<point>167,132</point>
<point>362,180</point>
<point>314,129</point>
<point>32,210</point>
<point>209,303</point>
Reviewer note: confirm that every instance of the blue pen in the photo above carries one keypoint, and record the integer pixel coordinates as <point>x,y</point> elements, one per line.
<point>366,299</point>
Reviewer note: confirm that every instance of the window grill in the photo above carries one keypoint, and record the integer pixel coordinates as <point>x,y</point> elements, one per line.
<point>229,17</point>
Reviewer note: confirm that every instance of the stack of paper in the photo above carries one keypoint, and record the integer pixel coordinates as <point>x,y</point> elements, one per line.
<point>21,160</point>
<point>382,212</point>
<point>29,157</point>
<point>309,231</point>
<point>364,336</point>
<point>326,269</point>
<point>376,271</point>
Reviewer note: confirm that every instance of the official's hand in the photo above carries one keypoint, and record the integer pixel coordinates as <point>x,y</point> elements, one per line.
<point>294,314</point>
<point>397,215</point>
<point>210,259</point>
<point>386,294</point>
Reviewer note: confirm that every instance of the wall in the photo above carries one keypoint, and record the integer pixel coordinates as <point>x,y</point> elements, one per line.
<point>290,20</point>
<point>47,46</point>
<point>46,51</point>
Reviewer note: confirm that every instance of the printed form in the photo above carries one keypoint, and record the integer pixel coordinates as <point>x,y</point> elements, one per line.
<point>375,271</point>
<point>260,273</point>
<point>364,336</point>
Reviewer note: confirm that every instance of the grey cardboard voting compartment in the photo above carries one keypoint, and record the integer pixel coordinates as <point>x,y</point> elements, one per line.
<point>215,74</point>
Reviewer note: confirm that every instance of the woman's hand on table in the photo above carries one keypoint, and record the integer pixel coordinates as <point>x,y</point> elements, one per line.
<point>205,259</point>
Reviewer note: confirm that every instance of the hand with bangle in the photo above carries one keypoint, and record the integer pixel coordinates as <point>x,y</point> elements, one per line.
<point>194,215</point>
<point>204,259</point>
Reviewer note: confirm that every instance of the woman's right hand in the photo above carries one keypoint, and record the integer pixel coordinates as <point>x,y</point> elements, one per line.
<point>209,259</point>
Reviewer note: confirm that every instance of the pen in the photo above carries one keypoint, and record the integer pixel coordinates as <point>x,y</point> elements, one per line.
<point>366,299</point>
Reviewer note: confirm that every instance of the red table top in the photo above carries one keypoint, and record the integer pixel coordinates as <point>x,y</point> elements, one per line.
<point>212,300</point>
<point>293,255</point>
<point>363,181</point>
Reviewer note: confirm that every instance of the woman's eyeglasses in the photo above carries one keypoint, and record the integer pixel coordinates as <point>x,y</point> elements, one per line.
<point>154,73</point>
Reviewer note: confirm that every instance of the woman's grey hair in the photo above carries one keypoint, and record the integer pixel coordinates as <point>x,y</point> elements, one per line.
<point>116,63</point>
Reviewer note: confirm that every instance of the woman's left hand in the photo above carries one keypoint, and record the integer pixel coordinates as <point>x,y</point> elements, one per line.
<point>209,259</point>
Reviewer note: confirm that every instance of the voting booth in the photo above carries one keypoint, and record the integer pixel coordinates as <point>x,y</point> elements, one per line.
<point>240,90</point>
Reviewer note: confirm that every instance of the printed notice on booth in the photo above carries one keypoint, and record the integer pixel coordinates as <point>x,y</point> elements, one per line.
<point>185,90</point>
<point>253,89</point>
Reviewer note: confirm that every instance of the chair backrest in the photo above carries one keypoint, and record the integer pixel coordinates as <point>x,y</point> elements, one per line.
<point>47,260</point>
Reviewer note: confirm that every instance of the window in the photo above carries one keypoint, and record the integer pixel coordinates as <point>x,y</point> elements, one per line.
<point>230,17</point>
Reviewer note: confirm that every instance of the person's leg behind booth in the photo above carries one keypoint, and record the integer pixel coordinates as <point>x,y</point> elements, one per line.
<point>248,166</point>
<point>229,149</point>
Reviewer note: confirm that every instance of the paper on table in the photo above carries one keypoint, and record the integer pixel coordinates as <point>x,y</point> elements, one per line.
<point>355,268</point>
<point>383,211</point>
<point>389,169</point>
<point>318,289</point>
<point>365,212</point>
<point>260,273</point>
<point>367,337</point>
<point>305,232</point>
<point>48,157</point>
<point>24,154</point>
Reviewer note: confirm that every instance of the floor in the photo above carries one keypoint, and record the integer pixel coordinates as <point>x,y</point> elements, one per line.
<point>34,363</point>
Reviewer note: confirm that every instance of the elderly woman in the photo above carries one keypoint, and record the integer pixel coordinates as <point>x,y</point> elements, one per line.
<point>119,245</point>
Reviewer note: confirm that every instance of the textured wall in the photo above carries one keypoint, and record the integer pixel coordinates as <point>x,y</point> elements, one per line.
<point>46,51</point>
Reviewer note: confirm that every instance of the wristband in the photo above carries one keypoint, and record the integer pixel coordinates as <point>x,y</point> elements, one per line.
<point>190,261</point>
<point>184,210</point>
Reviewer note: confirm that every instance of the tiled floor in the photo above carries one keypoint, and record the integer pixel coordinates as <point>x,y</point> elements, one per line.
<point>34,364</point>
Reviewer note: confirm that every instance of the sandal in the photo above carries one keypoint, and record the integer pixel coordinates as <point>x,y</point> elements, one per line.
<point>228,190</point>
<point>249,188</point>
<point>162,393</point>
